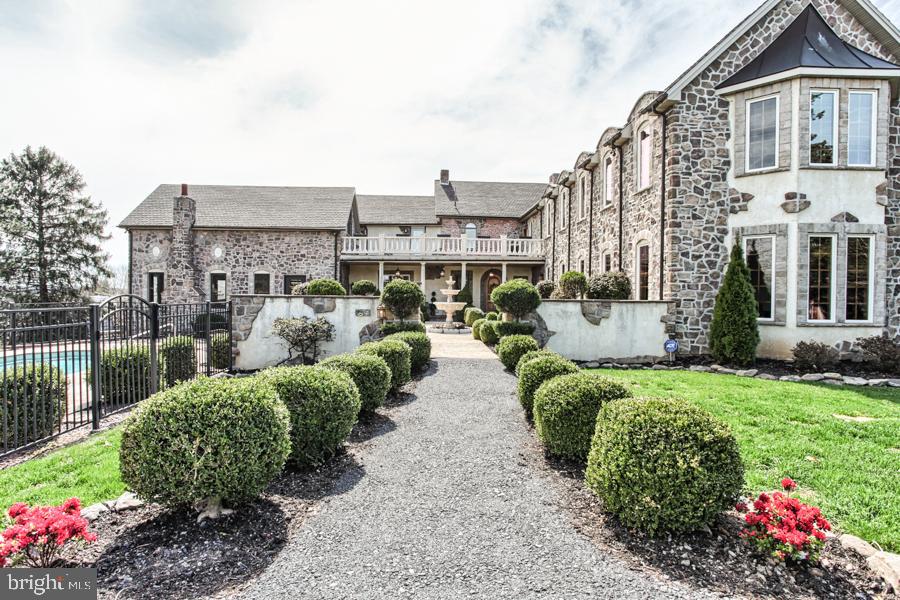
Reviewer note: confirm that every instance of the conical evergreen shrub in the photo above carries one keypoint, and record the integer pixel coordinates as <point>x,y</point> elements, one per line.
<point>734,331</point>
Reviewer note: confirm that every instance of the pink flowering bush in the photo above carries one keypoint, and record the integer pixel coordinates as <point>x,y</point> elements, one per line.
<point>38,534</point>
<point>783,527</point>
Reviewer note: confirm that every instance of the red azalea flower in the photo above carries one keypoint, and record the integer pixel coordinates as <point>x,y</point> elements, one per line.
<point>788,484</point>
<point>741,507</point>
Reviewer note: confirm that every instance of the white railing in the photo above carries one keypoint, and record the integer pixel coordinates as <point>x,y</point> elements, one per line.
<point>424,246</point>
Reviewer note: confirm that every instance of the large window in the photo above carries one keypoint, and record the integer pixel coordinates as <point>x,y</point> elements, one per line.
<point>822,128</point>
<point>762,134</point>
<point>861,129</point>
<point>563,208</point>
<point>218,288</point>
<point>760,253</point>
<point>155,286</point>
<point>610,183</point>
<point>821,278</point>
<point>262,283</point>
<point>582,197</point>
<point>645,153</point>
<point>291,280</point>
<point>643,272</point>
<point>859,278</point>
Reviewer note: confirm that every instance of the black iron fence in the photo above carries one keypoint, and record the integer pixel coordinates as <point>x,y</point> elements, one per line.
<point>68,367</point>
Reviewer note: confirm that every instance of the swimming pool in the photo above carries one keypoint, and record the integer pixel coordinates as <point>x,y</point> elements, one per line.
<point>75,361</point>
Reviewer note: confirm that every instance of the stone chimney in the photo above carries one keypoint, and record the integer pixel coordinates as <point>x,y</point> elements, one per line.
<point>183,281</point>
<point>445,176</point>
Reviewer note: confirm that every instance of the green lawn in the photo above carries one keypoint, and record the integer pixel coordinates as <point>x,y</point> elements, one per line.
<point>850,469</point>
<point>88,470</point>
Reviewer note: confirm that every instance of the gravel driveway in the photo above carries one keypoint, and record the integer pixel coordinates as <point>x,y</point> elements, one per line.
<point>448,508</point>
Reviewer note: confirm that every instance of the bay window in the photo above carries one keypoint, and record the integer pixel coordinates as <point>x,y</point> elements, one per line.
<point>823,127</point>
<point>762,133</point>
<point>861,128</point>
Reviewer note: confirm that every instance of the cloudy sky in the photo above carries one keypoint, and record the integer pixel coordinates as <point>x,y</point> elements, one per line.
<point>374,94</point>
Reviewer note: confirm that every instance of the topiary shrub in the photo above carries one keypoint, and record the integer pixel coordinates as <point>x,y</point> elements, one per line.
<point>881,351</point>
<point>324,406</point>
<point>392,327</point>
<point>516,297</point>
<point>492,316</point>
<point>476,328</point>
<point>325,287</point>
<point>472,314</point>
<point>398,357</point>
<point>488,332</point>
<point>572,285</point>
<point>205,442</point>
<point>33,397</point>
<point>545,289</point>
<point>506,328</point>
<point>419,345</point>
<point>609,286</point>
<point>815,356</point>
<point>734,331</point>
<point>370,373</point>
<point>535,372</point>
<point>566,408</point>
<point>178,358</point>
<point>401,297</point>
<point>513,347</point>
<point>220,351</point>
<point>531,355</point>
<point>663,464</point>
<point>363,287</point>
<point>125,375</point>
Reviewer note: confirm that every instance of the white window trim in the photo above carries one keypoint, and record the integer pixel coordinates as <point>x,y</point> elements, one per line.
<point>639,155</point>
<point>773,238</point>
<point>637,268</point>
<point>836,94</point>
<point>873,94</point>
<point>564,209</point>
<point>750,102</point>
<point>871,294</point>
<point>253,280</point>
<point>609,184</point>
<point>583,192</point>
<point>832,299</point>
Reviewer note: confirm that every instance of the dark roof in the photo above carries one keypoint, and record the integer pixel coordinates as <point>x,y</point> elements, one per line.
<point>250,207</point>
<point>807,42</point>
<point>395,210</point>
<point>485,199</point>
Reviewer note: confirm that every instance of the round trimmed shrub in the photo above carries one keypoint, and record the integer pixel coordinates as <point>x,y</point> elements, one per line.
<point>476,328</point>
<point>513,347</point>
<point>420,347</point>
<point>325,287</point>
<point>125,375</point>
<point>324,406</point>
<point>535,372</point>
<point>492,316</point>
<point>363,287</point>
<point>663,464</point>
<point>33,396</point>
<point>506,328</point>
<point>566,408</point>
<point>572,284</point>
<point>609,286</point>
<point>472,314</point>
<point>488,332</point>
<point>401,297</point>
<point>370,373</point>
<point>178,359</point>
<point>398,357</point>
<point>516,297</point>
<point>545,289</point>
<point>209,440</point>
<point>392,327</point>
<point>531,355</point>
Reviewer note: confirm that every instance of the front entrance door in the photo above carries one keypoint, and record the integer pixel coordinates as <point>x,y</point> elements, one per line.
<point>489,281</point>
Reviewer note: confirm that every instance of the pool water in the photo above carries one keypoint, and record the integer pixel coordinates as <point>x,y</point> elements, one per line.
<point>68,362</point>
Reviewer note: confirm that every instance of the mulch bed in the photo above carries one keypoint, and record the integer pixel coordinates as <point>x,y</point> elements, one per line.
<point>716,559</point>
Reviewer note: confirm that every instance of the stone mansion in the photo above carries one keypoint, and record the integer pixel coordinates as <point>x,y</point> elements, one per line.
<point>784,137</point>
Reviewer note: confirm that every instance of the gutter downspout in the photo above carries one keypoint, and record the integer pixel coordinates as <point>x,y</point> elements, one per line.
<point>553,237</point>
<point>569,231</point>
<point>130,263</point>
<point>336,259</point>
<point>621,203</point>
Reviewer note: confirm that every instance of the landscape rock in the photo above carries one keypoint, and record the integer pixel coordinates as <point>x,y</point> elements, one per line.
<point>93,511</point>
<point>832,376</point>
<point>878,382</point>
<point>660,368</point>
<point>590,365</point>
<point>791,378</point>
<point>767,377</point>
<point>893,382</point>
<point>887,566</point>
<point>700,369</point>
<point>856,380</point>
<point>812,377</point>
<point>126,501</point>
<point>858,545</point>
<point>747,373</point>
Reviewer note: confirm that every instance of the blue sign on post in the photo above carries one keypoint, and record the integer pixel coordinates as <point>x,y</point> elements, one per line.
<point>671,346</point>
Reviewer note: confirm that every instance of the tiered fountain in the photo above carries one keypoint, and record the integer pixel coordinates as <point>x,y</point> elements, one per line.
<point>450,307</point>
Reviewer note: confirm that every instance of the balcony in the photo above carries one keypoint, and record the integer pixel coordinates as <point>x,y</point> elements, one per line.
<point>424,247</point>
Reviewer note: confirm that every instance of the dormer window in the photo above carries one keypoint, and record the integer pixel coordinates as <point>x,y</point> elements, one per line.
<point>861,129</point>
<point>823,123</point>
<point>762,133</point>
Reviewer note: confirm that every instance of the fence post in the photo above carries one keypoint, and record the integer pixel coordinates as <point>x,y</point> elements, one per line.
<point>228,326</point>
<point>208,339</point>
<point>154,350</point>
<point>94,333</point>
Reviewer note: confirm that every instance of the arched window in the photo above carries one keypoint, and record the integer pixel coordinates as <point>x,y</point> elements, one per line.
<point>471,231</point>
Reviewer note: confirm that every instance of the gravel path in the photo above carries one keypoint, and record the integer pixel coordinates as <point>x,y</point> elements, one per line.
<point>448,508</point>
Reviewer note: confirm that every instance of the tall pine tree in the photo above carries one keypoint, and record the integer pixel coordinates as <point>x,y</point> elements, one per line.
<point>734,331</point>
<point>50,232</point>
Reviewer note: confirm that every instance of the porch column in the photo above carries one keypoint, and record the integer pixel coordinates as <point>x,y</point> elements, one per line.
<point>462,277</point>
<point>380,275</point>
<point>422,266</point>
<point>503,273</point>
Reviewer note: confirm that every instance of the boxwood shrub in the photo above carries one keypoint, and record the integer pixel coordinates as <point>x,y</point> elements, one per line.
<point>663,464</point>
<point>531,355</point>
<point>476,328</point>
<point>516,297</point>
<point>370,373</point>
<point>178,358</point>
<point>35,396</point>
<point>325,287</point>
<point>220,350</point>
<point>398,357</point>
<point>392,327</point>
<point>511,348</point>
<point>364,287</point>
<point>488,332</point>
<point>492,316</point>
<point>125,374</point>
<point>419,345</point>
<point>535,372</point>
<point>609,286</point>
<point>545,288</point>
<point>572,284</point>
<point>208,439</point>
<point>472,314</point>
<point>401,297</point>
<point>505,328</point>
<point>324,406</point>
<point>566,408</point>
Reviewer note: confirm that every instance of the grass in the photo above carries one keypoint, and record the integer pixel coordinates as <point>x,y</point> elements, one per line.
<point>849,469</point>
<point>88,470</point>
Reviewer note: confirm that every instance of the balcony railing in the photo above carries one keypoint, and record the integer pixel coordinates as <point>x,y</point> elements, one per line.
<point>425,246</point>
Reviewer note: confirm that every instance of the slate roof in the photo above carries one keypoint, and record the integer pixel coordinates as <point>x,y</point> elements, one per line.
<point>807,42</point>
<point>250,207</point>
<point>485,199</point>
<point>395,210</point>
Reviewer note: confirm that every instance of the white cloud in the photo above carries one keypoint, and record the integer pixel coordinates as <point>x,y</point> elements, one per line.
<point>376,95</point>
